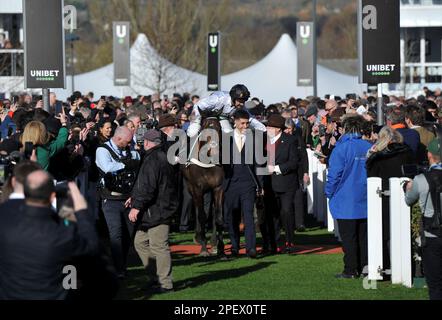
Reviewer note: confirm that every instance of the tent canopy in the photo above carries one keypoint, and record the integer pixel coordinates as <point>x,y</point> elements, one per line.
<point>273,79</point>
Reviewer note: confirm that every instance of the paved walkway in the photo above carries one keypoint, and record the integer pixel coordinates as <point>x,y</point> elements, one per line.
<point>192,249</point>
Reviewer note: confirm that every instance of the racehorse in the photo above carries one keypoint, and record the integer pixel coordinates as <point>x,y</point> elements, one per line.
<point>202,178</point>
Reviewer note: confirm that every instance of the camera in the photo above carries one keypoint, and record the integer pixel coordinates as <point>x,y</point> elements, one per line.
<point>7,164</point>
<point>65,204</point>
<point>322,129</point>
<point>140,135</point>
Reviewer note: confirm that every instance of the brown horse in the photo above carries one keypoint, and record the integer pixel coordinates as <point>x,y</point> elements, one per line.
<point>201,178</point>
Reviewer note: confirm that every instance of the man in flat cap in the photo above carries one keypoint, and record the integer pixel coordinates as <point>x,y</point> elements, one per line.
<point>154,202</point>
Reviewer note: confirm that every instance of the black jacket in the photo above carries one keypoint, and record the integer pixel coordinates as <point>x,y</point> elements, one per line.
<point>35,246</point>
<point>303,157</point>
<point>387,164</point>
<point>155,191</point>
<point>242,163</point>
<point>287,157</point>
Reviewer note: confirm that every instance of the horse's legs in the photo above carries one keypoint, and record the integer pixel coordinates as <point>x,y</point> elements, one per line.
<point>200,230</point>
<point>218,221</point>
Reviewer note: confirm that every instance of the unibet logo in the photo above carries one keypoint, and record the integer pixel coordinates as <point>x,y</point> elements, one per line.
<point>380,69</point>
<point>213,41</point>
<point>121,32</point>
<point>305,32</point>
<point>44,75</point>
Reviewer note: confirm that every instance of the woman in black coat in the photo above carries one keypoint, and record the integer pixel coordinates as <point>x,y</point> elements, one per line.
<point>385,160</point>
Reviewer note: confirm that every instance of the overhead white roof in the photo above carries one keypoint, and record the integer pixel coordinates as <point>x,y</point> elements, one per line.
<point>272,79</point>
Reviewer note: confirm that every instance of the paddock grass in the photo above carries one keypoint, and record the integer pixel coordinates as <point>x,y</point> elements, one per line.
<point>277,277</point>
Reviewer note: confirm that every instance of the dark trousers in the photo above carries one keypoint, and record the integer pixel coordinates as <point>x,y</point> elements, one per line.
<point>279,211</point>
<point>186,208</point>
<point>120,231</point>
<point>287,213</point>
<point>432,261</point>
<point>239,200</point>
<point>353,233</point>
<point>269,223</point>
<point>300,199</point>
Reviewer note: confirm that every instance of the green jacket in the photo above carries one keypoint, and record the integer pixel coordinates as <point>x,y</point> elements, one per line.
<point>44,153</point>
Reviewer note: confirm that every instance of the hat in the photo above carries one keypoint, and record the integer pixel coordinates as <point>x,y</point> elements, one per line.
<point>166,120</point>
<point>128,99</point>
<point>312,110</point>
<point>276,121</point>
<point>153,136</point>
<point>434,147</point>
<point>52,125</point>
<point>9,146</point>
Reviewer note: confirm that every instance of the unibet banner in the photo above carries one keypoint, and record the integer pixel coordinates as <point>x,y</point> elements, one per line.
<point>304,44</point>
<point>44,44</point>
<point>121,50</point>
<point>214,62</point>
<point>379,41</point>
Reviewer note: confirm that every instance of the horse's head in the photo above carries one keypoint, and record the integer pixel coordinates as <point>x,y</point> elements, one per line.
<point>211,135</point>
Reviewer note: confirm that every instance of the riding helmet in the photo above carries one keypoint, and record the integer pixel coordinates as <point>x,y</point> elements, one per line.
<point>239,91</point>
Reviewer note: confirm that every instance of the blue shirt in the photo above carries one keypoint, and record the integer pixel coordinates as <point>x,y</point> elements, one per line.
<point>105,161</point>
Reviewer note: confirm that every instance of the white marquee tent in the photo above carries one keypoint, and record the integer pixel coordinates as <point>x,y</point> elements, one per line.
<point>272,79</point>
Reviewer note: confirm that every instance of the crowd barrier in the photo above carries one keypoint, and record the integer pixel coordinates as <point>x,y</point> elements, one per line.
<point>400,232</point>
<point>400,222</point>
<point>317,202</point>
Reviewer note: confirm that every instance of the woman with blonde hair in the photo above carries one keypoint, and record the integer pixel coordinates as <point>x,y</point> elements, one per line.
<point>34,132</point>
<point>385,160</point>
<point>45,147</point>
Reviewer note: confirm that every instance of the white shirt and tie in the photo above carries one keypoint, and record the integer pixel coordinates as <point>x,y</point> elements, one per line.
<point>272,142</point>
<point>240,140</point>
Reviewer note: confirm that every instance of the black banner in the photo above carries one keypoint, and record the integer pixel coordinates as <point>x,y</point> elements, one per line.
<point>121,53</point>
<point>214,62</point>
<point>379,41</point>
<point>44,44</point>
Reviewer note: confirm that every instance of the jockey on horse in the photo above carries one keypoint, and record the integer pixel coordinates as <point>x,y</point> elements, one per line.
<point>224,104</point>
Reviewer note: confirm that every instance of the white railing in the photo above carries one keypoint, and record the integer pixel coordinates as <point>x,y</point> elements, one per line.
<point>400,232</point>
<point>400,222</point>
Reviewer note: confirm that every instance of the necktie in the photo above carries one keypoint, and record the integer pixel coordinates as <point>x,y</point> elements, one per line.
<point>240,142</point>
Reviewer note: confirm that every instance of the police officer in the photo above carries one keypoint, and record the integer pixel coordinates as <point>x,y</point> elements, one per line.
<point>427,188</point>
<point>118,167</point>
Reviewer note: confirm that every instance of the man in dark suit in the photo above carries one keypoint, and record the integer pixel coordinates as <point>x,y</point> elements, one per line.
<point>35,244</point>
<point>241,184</point>
<point>280,185</point>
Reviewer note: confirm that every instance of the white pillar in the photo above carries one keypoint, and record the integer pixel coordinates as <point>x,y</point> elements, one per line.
<point>403,69</point>
<point>374,222</point>
<point>400,235</point>
<point>310,196</point>
<point>422,55</point>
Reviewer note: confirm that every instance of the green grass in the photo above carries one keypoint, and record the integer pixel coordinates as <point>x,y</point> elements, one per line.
<point>280,277</point>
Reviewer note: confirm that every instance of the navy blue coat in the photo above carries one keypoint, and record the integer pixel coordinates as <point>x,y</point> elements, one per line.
<point>35,246</point>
